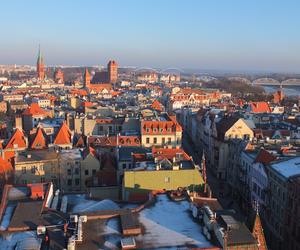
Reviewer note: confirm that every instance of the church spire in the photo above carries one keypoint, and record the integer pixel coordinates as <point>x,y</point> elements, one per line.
<point>40,67</point>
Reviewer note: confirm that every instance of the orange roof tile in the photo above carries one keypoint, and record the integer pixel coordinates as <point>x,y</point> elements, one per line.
<point>161,127</point>
<point>9,155</point>
<point>64,135</point>
<point>34,109</point>
<point>81,92</point>
<point>80,143</point>
<point>169,153</point>
<point>5,166</point>
<point>156,105</point>
<point>265,157</point>
<point>113,141</point>
<point>18,138</point>
<point>258,233</point>
<point>87,104</point>
<point>40,140</point>
<point>260,107</point>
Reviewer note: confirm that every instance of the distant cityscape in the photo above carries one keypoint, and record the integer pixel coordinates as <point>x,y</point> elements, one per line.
<point>126,157</point>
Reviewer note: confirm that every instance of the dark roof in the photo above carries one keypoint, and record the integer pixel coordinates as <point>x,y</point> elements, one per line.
<point>224,124</point>
<point>125,152</point>
<point>33,216</point>
<point>36,155</point>
<point>238,233</point>
<point>240,236</point>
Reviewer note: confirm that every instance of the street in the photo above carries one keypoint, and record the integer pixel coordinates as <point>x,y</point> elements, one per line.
<point>218,188</point>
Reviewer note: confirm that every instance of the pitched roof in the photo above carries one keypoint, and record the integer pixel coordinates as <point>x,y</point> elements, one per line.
<point>34,109</point>
<point>5,166</point>
<point>161,127</point>
<point>260,107</point>
<point>258,233</point>
<point>63,135</point>
<point>39,140</point>
<point>156,105</point>
<point>264,157</point>
<point>113,141</point>
<point>224,124</point>
<point>18,138</point>
<point>169,153</point>
<point>79,142</point>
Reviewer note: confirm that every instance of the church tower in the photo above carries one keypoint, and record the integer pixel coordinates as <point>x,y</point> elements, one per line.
<point>112,71</point>
<point>86,78</point>
<point>40,66</point>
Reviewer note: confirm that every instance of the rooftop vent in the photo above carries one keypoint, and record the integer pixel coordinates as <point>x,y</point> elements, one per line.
<point>128,243</point>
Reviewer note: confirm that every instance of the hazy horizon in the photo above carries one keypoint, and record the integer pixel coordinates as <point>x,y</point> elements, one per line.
<point>252,36</point>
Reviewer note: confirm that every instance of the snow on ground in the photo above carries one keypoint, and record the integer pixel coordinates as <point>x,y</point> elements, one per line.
<point>20,241</point>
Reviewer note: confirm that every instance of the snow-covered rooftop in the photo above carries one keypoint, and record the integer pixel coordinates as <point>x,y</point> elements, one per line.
<point>288,168</point>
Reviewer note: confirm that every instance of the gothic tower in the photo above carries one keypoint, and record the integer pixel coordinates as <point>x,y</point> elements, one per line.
<point>40,66</point>
<point>86,78</point>
<point>112,71</point>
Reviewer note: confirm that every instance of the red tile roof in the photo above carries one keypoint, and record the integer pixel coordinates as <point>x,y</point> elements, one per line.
<point>161,127</point>
<point>39,140</point>
<point>18,138</point>
<point>169,153</point>
<point>64,135</point>
<point>80,92</point>
<point>113,141</point>
<point>80,143</point>
<point>265,157</point>
<point>260,107</point>
<point>87,104</point>
<point>34,109</point>
<point>5,166</point>
<point>156,105</point>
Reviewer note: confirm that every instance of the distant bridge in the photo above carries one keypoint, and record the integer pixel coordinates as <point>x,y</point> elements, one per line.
<point>274,82</point>
<point>174,71</point>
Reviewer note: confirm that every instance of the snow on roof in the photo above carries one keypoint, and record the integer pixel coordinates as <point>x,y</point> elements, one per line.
<point>170,220</point>
<point>82,204</point>
<point>288,168</point>
<point>23,240</point>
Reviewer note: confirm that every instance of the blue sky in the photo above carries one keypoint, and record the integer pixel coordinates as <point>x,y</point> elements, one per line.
<point>202,34</point>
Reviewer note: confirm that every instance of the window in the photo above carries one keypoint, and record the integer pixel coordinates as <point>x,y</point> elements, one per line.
<point>110,129</point>
<point>69,182</point>
<point>24,182</point>
<point>94,171</point>
<point>23,170</point>
<point>147,140</point>
<point>154,140</point>
<point>169,140</point>
<point>124,165</point>
<point>147,130</point>
<point>163,140</point>
<point>69,172</point>
<point>86,172</point>
<point>167,179</point>
<point>101,128</point>
<point>33,169</point>
<point>77,181</point>
<point>76,170</point>
<point>41,168</point>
